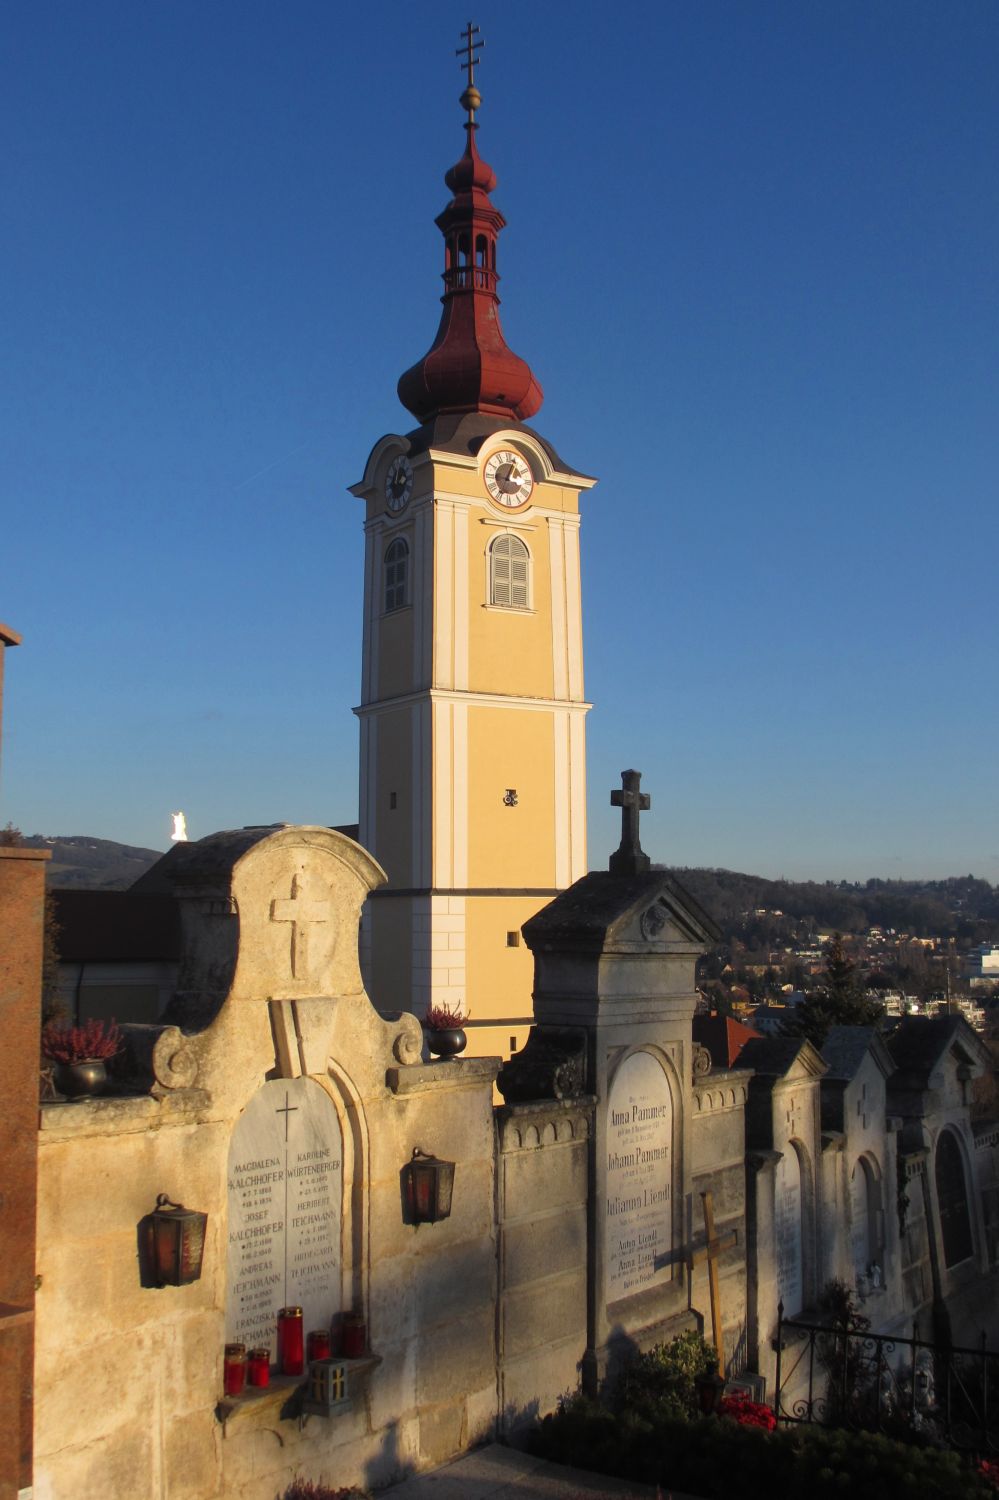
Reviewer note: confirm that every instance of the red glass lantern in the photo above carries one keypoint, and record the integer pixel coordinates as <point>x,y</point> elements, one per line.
<point>258,1367</point>
<point>317,1344</point>
<point>291,1343</point>
<point>429,1186</point>
<point>234,1369</point>
<point>176,1239</point>
<point>355,1335</point>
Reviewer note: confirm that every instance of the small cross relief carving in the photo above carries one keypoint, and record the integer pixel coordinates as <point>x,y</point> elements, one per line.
<point>302,913</point>
<point>792,1115</point>
<point>862,1106</point>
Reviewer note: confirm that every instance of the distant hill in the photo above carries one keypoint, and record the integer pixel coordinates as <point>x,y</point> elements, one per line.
<point>87,863</point>
<point>963,906</point>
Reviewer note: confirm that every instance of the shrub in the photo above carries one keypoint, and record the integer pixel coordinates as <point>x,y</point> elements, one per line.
<point>663,1381</point>
<point>723,1460</point>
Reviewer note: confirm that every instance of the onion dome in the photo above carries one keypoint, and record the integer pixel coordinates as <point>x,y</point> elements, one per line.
<point>470,366</point>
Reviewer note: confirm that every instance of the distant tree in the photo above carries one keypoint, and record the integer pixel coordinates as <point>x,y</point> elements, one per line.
<point>10,836</point>
<point>839,1000</point>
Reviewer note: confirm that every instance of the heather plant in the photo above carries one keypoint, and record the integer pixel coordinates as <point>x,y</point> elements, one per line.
<point>305,1489</point>
<point>94,1041</point>
<point>444,1017</point>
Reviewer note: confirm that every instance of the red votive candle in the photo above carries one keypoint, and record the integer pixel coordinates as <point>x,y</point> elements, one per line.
<point>291,1342</point>
<point>234,1369</point>
<point>355,1335</point>
<point>317,1345</point>
<point>258,1367</point>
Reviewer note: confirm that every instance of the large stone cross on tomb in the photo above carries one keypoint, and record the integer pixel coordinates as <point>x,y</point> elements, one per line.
<point>710,1251</point>
<point>302,914</point>
<point>628,858</point>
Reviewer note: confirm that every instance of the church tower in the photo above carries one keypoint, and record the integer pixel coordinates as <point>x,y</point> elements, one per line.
<point>473,768</point>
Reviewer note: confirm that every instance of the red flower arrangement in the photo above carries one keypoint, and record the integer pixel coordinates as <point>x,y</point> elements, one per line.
<point>444,1017</point>
<point>94,1041</point>
<point>988,1468</point>
<point>748,1413</point>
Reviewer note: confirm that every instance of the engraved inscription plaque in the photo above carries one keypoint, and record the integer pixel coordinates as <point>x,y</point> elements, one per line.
<point>285,1191</point>
<point>639,1233</point>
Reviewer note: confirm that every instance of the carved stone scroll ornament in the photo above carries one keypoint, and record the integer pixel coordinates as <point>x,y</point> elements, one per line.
<point>407,1045</point>
<point>552,1065</point>
<point>155,1060</point>
<point>701,1063</point>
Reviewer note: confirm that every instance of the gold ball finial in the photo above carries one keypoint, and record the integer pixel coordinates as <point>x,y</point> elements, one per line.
<point>471,99</point>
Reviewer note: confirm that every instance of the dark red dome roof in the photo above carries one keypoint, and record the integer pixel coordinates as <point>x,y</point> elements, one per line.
<point>470,366</point>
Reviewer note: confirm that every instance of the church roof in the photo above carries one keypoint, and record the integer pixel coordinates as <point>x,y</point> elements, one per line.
<point>724,1038</point>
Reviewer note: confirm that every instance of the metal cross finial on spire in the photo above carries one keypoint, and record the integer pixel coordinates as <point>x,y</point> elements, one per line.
<point>471,98</point>
<point>629,859</point>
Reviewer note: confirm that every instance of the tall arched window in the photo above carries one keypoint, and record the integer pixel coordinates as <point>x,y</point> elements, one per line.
<point>396,574</point>
<point>509,572</point>
<point>952,1197</point>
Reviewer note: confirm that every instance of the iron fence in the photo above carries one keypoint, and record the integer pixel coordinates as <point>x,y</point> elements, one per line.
<point>837,1376</point>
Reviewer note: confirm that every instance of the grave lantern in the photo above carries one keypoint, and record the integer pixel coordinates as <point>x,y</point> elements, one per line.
<point>176,1242</point>
<point>327,1387</point>
<point>429,1184</point>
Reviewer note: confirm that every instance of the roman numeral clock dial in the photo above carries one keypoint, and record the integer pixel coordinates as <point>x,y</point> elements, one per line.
<point>508,479</point>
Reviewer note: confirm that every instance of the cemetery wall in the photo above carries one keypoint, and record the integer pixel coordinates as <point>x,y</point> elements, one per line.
<point>542,1220</point>
<point>129,1377</point>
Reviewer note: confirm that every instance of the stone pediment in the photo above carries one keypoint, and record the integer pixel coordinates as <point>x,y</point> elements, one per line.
<point>267,914</point>
<point>649,912</point>
<point>782,1059</point>
<point>921,1049</point>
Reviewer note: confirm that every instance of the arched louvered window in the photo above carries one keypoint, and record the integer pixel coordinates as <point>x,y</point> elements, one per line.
<point>509,572</point>
<point>952,1197</point>
<point>396,574</point>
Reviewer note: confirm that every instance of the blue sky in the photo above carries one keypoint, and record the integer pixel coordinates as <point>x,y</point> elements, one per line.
<point>751,255</point>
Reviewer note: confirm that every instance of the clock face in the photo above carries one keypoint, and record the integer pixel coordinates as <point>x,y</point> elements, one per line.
<point>508,479</point>
<point>398,483</point>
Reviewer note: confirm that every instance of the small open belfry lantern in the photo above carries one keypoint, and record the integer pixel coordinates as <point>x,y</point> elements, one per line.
<point>176,1242</point>
<point>429,1185</point>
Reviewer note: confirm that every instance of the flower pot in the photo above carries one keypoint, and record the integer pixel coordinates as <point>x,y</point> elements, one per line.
<point>78,1079</point>
<point>448,1043</point>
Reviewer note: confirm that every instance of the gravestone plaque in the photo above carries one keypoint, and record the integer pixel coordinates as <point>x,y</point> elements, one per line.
<point>285,1191</point>
<point>639,1233</point>
<point>790,1282</point>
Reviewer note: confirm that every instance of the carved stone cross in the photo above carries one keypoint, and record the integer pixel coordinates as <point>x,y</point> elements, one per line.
<point>628,859</point>
<point>301,913</point>
<point>710,1251</point>
<point>862,1106</point>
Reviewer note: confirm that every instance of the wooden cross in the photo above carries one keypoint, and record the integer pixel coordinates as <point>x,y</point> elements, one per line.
<point>628,859</point>
<point>301,914</point>
<point>710,1251</point>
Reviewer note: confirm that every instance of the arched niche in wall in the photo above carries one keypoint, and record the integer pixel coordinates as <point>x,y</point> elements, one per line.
<point>952,1200</point>
<point>866,1217</point>
<point>789,1231</point>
